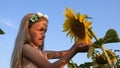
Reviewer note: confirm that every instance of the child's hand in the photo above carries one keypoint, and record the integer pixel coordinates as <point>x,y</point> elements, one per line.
<point>82,47</point>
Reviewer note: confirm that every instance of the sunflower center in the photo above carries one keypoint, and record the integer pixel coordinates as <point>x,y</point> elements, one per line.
<point>78,29</point>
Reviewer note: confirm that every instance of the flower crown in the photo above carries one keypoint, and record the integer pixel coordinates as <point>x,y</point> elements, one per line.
<point>35,18</point>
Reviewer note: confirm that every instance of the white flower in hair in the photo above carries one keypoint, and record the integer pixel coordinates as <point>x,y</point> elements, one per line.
<point>46,16</point>
<point>40,14</point>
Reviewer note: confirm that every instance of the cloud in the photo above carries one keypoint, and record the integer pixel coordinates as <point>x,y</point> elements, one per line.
<point>7,22</point>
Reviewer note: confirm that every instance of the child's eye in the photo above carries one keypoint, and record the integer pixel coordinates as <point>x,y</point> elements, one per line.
<point>40,29</point>
<point>43,30</point>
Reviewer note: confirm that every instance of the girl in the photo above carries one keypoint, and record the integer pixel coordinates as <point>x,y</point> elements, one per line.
<point>28,50</point>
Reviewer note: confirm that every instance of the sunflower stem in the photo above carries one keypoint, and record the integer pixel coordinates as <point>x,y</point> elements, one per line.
<point>105,53</point>
<point>73,64</point>
<point>102,48</point>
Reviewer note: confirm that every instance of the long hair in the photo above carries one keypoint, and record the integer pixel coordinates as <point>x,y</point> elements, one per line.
<point>22,38</point>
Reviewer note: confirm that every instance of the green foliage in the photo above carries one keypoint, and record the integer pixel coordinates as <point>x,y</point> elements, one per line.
<point>71,64</point>
<point>91,65</point>
<point>86,65</point>
<point>111,36</point>
<point>90,51</point>
<point>74,65</point>
<point>1,32</point>
<point>98,43</point>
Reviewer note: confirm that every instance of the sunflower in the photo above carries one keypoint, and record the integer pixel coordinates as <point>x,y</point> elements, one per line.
<point>77,26</point>
<point>101,61</point>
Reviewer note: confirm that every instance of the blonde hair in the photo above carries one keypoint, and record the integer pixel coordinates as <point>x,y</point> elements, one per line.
<point>22,38</point>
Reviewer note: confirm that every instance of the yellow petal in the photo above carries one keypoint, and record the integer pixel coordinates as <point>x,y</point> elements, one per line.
<point>76,28</point>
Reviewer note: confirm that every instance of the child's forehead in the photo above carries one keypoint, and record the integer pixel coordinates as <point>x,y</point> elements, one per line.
<point>40,25</point>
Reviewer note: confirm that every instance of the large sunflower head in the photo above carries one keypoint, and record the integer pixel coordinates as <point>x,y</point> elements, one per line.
<point>77,26</point>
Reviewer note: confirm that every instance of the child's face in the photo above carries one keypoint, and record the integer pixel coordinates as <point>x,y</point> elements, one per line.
<point>37,32</point>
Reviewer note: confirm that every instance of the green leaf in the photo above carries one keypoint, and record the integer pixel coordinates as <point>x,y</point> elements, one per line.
<point>72,65</point>
<point>89,63</point>
<point>116,50</point>
<point>98,43</point>
<point>86,65</point>
<point>90,51</point>
<point>111,36</point>
<point>1,32</point>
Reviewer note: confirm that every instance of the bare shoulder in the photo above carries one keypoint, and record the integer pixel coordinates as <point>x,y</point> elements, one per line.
<point>26,45</point>
<point>34,56</point>
<point>27,50</point>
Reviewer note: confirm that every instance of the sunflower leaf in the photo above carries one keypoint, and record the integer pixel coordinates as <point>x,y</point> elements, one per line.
<point>90,51</point>
<point>1,32</point>
<point>98,43</point>
<point>111,36</point>
<point>72,65</point>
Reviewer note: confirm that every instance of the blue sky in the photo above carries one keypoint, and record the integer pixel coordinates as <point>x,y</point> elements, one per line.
<point>105,14</point>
